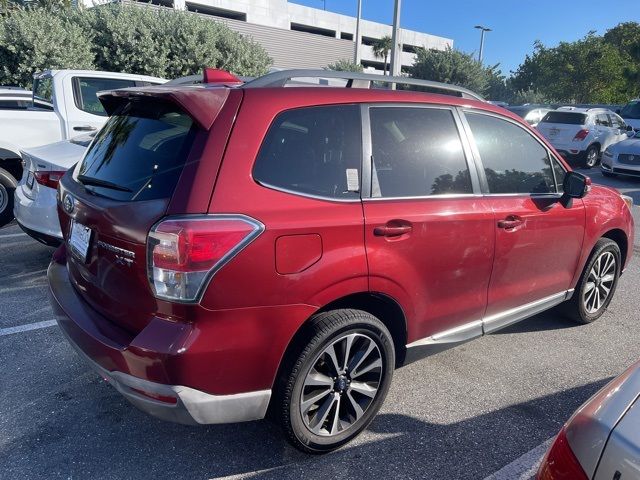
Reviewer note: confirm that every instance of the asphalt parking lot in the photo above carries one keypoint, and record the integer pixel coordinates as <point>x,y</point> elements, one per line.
<point>484,408</point>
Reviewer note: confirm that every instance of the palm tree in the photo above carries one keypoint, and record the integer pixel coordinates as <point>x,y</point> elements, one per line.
<point>381,48</point>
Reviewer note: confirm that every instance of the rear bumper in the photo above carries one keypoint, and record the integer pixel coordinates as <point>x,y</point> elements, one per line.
<point>38,217</point>
<point>127,363</point>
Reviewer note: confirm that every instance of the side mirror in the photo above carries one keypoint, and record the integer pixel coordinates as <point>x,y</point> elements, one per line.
<point>629,128</point>
<point>576,185</point>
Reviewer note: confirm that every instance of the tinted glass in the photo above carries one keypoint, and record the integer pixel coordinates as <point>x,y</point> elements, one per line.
<point>565,117</point>
<point>43,93</point>
<point>631,110</point>
<point>14,104</point>
<point>314,151</point>
<point>559,172</point>
<point>140,151</point>
<point>417,152</point>
<point>88,89</point>
<point>514,161</point>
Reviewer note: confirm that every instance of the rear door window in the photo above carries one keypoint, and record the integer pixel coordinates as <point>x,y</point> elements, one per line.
<point>43,93</point>
<point>603,120</point>
<point>86,92</point>
<point>314,151</point>
<point>513,160</point>
<point>139,153</point>
<point>417,152</point>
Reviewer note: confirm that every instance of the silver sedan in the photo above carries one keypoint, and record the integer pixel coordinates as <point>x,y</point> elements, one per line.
<point>601,441</point>
<point>622,158</point>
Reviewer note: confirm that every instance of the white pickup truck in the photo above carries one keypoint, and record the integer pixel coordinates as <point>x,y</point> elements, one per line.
<point>64,105</point>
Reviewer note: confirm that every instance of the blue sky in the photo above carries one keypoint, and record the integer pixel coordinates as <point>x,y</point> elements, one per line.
<point>516,23</point>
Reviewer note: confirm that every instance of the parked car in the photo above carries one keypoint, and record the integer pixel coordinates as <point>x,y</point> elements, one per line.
<point>532,114</point>
<point>622,158</point>
<point>64,105</point>
<point>630,113</point>
<point>14,98</point>
<point>285,249</point>
<point>580,135</point>
<point>35,205</point>
<point>601,441</point>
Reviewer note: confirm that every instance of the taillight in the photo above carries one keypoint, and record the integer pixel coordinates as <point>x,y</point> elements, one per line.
<point>581,135</point>
<point>183,253</point>
<point>560,463</point>
<point>49,179</point>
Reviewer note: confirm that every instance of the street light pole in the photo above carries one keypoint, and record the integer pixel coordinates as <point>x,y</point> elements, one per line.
<point>358,34</point>
<point>482,32</point>
<point>395,38</point>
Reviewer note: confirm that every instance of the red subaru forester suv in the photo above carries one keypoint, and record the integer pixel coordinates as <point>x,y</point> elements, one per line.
<point>243,249</point>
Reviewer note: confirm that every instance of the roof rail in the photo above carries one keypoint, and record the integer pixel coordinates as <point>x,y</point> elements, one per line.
<point>357,80</point>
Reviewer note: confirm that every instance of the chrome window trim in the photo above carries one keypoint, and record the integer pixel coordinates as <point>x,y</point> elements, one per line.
<point>368,150</point>
<point>550,154</point>
<point>307,195</point>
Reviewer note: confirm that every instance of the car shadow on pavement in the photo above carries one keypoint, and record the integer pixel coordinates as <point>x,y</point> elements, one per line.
<point>88,431</point>
<point>549,320</point>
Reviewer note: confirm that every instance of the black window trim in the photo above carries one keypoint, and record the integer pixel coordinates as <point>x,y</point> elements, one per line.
<point>480,165</point>
<point>367,151</point>
<point>303,194</point>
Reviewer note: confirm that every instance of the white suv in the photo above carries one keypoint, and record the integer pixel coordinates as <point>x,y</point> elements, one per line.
<point>581,134</point>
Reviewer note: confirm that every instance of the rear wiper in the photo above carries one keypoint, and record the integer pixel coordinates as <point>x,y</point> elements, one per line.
<point>85,180</point>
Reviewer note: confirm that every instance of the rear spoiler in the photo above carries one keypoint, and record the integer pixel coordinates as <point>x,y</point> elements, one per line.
<point>201,104</point>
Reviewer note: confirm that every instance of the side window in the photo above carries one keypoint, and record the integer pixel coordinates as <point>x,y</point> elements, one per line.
<point>313,151</point>
<point>86,92</point>
<point>617,122</point>
<point>514,161</point>
<point>603,120</point>
<point>559,172</point>
<point>417,152</point>
<point>43,93</point>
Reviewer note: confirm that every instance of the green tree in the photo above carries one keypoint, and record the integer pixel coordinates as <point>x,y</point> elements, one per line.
<point>451,66</point>
<point>167,43</point>
<point>381,48</point>
<point>589,70</point>
<point>345,65</point>
<point>33,40</point>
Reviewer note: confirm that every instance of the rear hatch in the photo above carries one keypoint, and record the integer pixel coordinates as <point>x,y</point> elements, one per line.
<point>560,128</point>
<point>146,154</point>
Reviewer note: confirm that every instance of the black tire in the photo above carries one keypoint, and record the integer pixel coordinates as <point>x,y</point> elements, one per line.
<point>323,331</point>
<point>577,307</point>
<point>7,187</point>
<point>591,156</point>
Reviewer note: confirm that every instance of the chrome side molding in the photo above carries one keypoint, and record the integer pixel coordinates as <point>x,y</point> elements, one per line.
<point>492,323</point>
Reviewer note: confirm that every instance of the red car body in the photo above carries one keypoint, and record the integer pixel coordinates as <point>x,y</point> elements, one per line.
<point>451,270</point>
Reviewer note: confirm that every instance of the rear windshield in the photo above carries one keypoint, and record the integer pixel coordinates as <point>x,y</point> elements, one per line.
<point>631,110</point>
<point>569,118</point>
<point>139,153</point>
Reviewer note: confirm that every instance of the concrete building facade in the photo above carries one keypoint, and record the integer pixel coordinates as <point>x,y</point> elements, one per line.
<point>296,36</point>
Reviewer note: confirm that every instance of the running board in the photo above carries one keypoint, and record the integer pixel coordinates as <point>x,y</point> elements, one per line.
<point>450,338</point>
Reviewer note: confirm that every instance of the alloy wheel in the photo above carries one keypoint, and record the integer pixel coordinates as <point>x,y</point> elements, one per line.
<point>599,282</point>
<point>592,157</point>
<point>341,384</point>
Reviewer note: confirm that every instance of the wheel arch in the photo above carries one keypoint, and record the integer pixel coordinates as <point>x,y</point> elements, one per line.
<point>618,236</point>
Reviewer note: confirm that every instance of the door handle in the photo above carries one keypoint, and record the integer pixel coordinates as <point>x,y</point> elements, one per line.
<point>391,230</point>
<point>512,221</point>
<point>85,128</point>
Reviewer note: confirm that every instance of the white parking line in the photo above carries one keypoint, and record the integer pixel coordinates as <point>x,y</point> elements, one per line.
<point>27,327</point>
<point>523,467</point>
<point>13,235</point>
